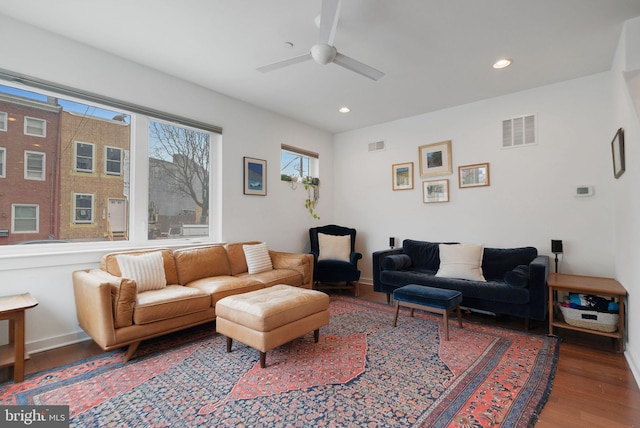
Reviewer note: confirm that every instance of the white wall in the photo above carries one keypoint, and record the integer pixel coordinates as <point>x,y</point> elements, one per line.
<point>278,219</point>
<point>530,198</point>
<point>626,72</point>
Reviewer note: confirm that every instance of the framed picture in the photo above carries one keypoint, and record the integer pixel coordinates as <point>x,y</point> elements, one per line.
<point>617,151</point>
<point>473,175</point>
<point>255,176</point>
<point>402,175</point>
<point>435,191</point>
<point>435,159</point>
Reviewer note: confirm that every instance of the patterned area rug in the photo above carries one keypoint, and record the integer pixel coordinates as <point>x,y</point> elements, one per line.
<point>363,372</point>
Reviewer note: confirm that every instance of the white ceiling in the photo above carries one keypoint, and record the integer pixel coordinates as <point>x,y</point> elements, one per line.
<point>435,53</point>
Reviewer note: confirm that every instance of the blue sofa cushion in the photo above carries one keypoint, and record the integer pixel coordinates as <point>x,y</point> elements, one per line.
<point>424,255</point>
<point>498,261</point>
<point>518,277</point>
<point>428,296</point>
<point>396,262</point>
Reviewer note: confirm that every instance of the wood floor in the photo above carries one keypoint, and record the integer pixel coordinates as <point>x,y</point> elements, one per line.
<point>593,385</point>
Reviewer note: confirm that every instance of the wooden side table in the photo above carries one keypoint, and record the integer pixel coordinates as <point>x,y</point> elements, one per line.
<point>12,308</point>
<point>606,287</point>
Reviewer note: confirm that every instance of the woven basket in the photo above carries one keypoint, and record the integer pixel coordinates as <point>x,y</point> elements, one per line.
<point>600,321</point>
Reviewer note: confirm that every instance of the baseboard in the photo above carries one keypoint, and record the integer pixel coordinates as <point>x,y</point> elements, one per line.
<point>56,342</point>
<point>634,363</point>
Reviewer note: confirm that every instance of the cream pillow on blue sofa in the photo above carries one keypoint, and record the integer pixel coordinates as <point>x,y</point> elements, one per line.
<point>461,261</point>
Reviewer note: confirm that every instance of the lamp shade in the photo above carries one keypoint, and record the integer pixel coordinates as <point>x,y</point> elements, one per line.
<point>392,241</point>
<point>556,246</point>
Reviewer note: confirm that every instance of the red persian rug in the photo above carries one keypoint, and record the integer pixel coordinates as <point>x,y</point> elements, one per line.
<point>363,372</point>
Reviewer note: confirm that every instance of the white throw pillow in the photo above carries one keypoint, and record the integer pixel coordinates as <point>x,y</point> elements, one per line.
<point>334,247</point>
<point>257,256</point>
<point>461,261</point>
<point>147,270</point>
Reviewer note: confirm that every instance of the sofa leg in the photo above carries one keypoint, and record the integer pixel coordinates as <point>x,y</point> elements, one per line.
<point>388,299</point>
<point>526,324</point>
<point>132,350</point>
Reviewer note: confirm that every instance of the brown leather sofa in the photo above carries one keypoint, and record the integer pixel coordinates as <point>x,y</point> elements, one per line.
<point>114,314</point>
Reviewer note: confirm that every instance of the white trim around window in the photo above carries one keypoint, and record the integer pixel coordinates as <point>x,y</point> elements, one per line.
<point>35,127</point>
<point>83,208</point>
<point>3,120</point>
<point>3,162</point>
<point>35,165</point>
<point>25,218</point>
<point>85,161</point>
<point>113,160</point>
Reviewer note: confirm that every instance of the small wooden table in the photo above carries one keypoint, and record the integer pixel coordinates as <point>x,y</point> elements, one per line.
<point>12,308</point>
<point>606,287</point>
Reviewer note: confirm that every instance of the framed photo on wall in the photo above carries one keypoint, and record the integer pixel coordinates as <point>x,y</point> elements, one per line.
<point>255,176</point>
<point>435,191</point>
<point>435,159</point>
<point>473,175</point>
<point>617,152</point>
<point>402,175</point>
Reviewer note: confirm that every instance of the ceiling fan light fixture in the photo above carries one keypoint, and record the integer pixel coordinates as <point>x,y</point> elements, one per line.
<point>502,63</point>
<point>344,109</point>
<point>323,54</point>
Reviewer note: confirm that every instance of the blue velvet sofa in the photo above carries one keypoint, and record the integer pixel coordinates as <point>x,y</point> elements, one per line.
<point>516,278</point>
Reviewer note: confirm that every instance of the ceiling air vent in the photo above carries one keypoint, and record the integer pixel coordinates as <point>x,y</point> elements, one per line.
<point>519,131</point>
<point>377,146</point>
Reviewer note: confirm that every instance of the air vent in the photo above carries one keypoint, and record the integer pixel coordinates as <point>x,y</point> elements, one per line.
<point>519,131</point>
<point>377,146</point>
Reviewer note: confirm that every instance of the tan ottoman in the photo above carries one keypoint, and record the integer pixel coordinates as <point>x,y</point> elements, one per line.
<point>273,316</point>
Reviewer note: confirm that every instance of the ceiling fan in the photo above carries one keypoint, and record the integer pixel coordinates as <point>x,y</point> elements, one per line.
<point>324,52</point>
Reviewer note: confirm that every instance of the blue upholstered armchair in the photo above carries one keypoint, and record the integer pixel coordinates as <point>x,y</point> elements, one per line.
<point>335,259</point>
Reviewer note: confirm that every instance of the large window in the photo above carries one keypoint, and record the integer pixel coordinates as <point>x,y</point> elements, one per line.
<point>85,177</point>
<point>34,165</point>
<point>25,218</point>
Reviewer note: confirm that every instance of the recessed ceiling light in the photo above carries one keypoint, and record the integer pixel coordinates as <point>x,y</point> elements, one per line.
<point>502,63</point>
<point>344,109</point>
<point>288,45</point>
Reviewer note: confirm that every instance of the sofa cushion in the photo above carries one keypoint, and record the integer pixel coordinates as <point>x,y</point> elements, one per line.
<point>147,270</point>
<point>498,261</point>
<point>257,257</point>
<point>201,262</point>
<point>276,276</point>
<point>334,247</point>
<point>518,277</point>
<point>396,262</point>
<point>461,261</point>
<point>222,286</point>
<point>169,302</point>
<point>424,255</point>
<point>109,263</point>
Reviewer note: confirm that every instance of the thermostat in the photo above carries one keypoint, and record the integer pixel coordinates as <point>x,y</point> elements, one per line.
<point>584,191</point>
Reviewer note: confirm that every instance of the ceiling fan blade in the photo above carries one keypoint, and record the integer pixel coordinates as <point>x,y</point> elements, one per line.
<point>357,67</point>
<point>284,63</point>
<point>328,21</point>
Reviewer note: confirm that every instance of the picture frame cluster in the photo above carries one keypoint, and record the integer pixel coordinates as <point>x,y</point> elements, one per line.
<point>435,160</point>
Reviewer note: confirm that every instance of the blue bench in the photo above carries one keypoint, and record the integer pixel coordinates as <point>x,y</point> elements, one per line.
<point>431,299</point>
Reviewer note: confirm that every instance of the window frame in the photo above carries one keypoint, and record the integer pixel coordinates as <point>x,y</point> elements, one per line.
<point>14,218</point>
<point>43,157</point>
<point>75,208</point>
<point>3,162</point>
<point>313,159</point>
<point>44,126</point>
<point>75,157</point>
<point>107,160</point>
<point>3,123</point>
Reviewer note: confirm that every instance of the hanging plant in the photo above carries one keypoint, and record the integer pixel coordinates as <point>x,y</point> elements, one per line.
<point>312,186</point>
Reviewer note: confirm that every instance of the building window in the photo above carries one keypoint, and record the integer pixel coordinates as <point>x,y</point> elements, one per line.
<point>25,218</point>
<point>3,121</point>
<point>83,208</point>
<point>34,126</point>
<point>34,165</point>
<point>296,163</point>
<point>3,162</point>
<point>84,157</point>
<point>113,161</point>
